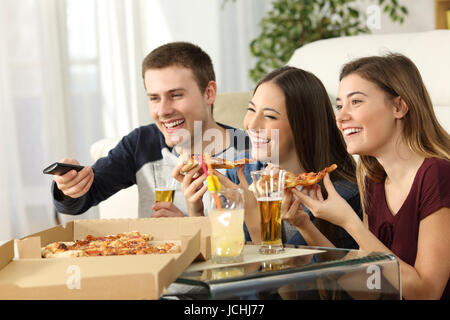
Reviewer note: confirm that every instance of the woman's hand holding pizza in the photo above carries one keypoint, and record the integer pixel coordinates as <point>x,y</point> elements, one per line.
<point>334,209</point>
<point>292,210</point>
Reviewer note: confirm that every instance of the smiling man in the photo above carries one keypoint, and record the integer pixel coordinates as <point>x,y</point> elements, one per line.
<point>180,84</point>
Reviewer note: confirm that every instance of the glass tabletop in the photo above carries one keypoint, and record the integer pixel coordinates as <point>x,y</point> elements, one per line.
<point>316,273</point>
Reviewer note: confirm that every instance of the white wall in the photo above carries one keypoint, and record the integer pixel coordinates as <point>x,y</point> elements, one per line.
<point>419,18</point>
<point>224,33</point>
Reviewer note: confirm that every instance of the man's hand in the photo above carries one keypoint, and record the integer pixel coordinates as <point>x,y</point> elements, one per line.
<point>166,209</point>
<point>75,184</point>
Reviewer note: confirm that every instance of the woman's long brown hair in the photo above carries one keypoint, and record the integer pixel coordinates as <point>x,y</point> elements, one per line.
<point>398,76</point>
<point>318,141</point>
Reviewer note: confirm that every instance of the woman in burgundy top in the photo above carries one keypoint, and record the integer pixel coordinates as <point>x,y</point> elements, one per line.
<point>386,116</point>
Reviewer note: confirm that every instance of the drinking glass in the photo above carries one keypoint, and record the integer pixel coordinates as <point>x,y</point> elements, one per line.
<point>227,226</point>
<point>165,184</point>
<point>269,186</point>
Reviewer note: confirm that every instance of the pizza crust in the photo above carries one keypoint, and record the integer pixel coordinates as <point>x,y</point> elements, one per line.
<point>175,249</point>
<point>65,254</point>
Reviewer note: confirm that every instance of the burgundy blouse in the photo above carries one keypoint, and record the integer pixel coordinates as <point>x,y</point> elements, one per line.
<point>429,192</point>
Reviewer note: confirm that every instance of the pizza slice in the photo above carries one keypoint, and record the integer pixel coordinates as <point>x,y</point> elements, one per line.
<point>310,178</point>
<point>191,161</point>
<point>292,180</point>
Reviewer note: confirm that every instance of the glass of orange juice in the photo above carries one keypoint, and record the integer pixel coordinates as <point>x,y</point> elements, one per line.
<point>227,226</point>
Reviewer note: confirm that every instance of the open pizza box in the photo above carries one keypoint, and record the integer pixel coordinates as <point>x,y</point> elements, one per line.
<point>29,276</point>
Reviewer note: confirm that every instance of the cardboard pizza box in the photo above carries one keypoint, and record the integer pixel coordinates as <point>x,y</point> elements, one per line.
<point>29,276</point>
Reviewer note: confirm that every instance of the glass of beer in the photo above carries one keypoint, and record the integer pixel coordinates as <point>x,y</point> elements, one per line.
<point>165,184</point>
<point>227,226</point>
<point>269,186</point>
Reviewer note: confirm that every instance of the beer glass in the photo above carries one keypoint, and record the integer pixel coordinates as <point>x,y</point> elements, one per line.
<point>165,184</point>
<point>269,186</point>
<point>227,226</point>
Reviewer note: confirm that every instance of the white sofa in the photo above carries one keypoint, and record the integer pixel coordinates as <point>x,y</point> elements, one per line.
<point>430,51</point>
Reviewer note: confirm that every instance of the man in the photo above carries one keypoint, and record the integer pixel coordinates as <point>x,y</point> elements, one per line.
<point>180,83</point>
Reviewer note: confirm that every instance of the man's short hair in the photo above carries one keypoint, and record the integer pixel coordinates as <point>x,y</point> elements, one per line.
<point>182,54</point>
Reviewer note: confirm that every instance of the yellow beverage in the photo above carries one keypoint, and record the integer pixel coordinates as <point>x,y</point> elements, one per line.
<point>268,266</point>
<point>224,273</point>
<point>164,195</point>
<point>227,235</point>
<point>270,214</point>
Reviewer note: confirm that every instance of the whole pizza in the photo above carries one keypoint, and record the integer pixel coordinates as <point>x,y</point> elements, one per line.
<point>129,243</point>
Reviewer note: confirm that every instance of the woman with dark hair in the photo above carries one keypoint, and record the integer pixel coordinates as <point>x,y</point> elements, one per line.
<point>295,103</point>
<point>386,116</point>
<point>290,119</point>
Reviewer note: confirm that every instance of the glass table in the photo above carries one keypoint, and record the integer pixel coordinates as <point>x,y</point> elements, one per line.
<point>325,273</point>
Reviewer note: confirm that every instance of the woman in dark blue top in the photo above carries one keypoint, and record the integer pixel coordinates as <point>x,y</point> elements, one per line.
<point>291,123</point>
